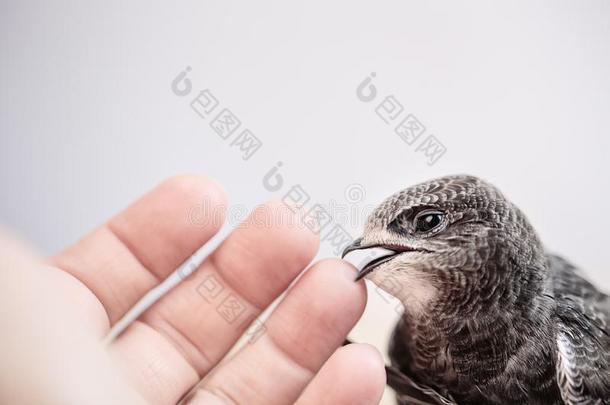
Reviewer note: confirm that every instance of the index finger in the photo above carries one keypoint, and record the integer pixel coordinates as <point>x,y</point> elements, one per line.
<point>134,251</point>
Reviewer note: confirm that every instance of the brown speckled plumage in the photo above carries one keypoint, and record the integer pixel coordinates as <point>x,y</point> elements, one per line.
<point>490,316</point>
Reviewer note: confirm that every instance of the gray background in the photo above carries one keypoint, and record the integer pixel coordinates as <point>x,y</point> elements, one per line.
<point>518,93</point>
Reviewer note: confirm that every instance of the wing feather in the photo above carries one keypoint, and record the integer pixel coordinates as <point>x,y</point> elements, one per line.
<point>582,338</point>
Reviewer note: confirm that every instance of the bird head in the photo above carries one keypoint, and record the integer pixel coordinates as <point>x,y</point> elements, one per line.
<point>452,245</point>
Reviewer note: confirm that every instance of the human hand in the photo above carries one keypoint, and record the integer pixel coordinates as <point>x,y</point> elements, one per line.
<point>55,315</point>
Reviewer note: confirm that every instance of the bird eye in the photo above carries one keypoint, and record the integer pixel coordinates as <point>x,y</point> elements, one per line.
<point>428,221</point>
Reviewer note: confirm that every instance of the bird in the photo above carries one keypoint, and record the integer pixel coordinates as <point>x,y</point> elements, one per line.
<point>490,315</point>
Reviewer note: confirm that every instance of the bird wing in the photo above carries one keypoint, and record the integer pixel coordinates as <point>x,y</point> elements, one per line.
<point>582,338</point>
<point>412,393</point>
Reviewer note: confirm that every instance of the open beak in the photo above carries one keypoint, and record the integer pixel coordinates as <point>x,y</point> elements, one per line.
<point>367,257</point>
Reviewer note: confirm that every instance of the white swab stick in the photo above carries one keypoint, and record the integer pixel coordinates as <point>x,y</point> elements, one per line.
<point>182,272</point>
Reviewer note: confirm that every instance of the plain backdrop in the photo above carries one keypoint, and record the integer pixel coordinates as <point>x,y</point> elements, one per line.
<point>517,92</point>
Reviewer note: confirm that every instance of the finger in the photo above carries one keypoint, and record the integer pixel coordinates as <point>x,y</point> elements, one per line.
<point>192,328</point>
<point>354,374</point>
<point>124,258</point>
<point>303,331</point>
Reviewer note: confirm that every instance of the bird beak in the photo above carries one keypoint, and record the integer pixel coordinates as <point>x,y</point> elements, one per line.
<point>367,258</point>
